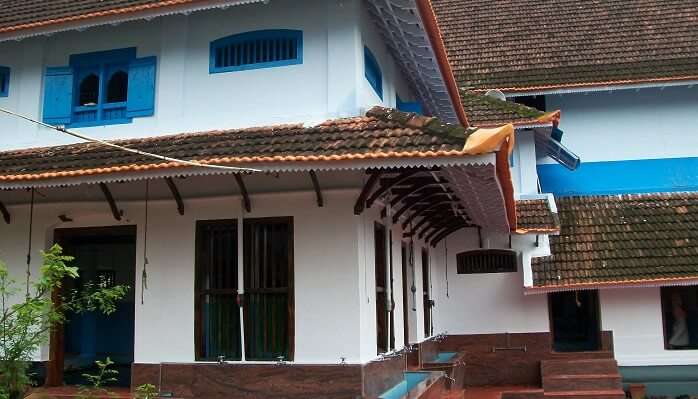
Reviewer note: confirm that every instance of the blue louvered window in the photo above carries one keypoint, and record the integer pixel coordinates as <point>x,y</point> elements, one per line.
<point>373,72</point>
<point>255,50</point>
<point>4,81</point>
<point>102,88</point>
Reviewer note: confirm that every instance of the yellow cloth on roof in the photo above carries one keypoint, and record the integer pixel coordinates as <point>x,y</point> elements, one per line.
<point>489,140</point>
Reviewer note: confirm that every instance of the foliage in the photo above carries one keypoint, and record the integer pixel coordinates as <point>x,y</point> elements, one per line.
<point>99,381</point>
<point>146,391</point>
<point>25,325</point>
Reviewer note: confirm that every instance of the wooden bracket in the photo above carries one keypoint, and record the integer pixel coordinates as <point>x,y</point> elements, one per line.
<point>428,197</point>
<point>110,199</point>
<point>243,191</point>
<point>368,187</point>
<point>390,183</point>
<point>175,193</point>
<point>316,185</point>
<point>5,213</point>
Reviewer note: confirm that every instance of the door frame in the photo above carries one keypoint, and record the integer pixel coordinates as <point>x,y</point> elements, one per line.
<point>56,362</point>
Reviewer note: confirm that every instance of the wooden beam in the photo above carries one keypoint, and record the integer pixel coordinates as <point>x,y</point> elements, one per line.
<point>175,193</point>
<point>448,227</point>
<point>421,210</point>
<point>428,197</point>
<point>427,217</point>
<point>5,213</point>
<point>390,183</point>
<point>446,233</point>
<point>368,187</point>
<point>399,197</point>
<point>437,225</point>
<point>243,191</point>
<point>316,185</point>
<point>110,199</point>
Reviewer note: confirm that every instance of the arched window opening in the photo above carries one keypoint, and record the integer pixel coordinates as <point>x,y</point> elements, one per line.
<point>117,88</point>
<point>89,90</point>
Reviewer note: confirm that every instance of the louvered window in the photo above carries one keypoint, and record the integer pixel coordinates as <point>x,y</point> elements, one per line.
<point>258,49</point>
<point>487,261</point>
<point>4,81</point>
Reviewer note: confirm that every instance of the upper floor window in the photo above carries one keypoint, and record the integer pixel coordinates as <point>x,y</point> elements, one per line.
<point>101,88</point>
<point>255,50</point>
<point>373,72</point>
<point>4,81</point>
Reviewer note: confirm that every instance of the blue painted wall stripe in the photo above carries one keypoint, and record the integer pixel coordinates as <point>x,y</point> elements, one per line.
<point>621,177</point>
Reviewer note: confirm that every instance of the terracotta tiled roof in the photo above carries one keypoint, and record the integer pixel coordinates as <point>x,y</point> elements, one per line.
<point>536,216</point>
<point>17,15</point>
<point>622,240</point>
<point>534,44</point>
<point>382,133</point>
<point>486,111</point>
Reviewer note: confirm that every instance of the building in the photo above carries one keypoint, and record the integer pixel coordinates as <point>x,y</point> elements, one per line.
<point>623,75</point>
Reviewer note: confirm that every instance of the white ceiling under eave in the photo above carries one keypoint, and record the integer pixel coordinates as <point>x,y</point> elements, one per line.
<point>401,24</point>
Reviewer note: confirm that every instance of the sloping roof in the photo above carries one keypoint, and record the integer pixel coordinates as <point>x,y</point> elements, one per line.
<point>536,216</point>
<point>382,133</point>
<point>16,15</point>
<point>644,239</point>
<point>527,45</point>
<point>487,111</point>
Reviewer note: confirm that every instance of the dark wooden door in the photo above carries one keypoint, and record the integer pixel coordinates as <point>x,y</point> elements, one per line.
<point>268,305</point>
<point>405,294</point>
<point>426,293</point>
<point>381,288</point>
<point>217,311</point>
<point>575,321</point>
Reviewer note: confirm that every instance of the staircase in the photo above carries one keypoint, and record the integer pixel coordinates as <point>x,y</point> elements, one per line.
<point>581,379</point>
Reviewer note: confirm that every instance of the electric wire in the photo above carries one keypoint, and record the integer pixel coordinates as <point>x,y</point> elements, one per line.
<point>122,148</point>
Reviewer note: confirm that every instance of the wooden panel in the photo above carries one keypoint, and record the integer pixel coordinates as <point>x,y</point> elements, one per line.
<point>256,381</point>
<point>381,288</point>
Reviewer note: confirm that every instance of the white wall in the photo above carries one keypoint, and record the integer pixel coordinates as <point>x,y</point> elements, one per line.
<point>635,317</point>
<point>326,275</point>
<point>629,124</point>
<point>484,303</point>
<point>330,82</point>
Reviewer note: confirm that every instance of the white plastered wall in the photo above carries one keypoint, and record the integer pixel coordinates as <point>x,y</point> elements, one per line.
<point>327,317</point>
<point>635,317</point>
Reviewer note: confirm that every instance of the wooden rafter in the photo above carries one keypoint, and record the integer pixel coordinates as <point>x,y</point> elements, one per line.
<point>368,187</point>
<point>175,194</point>
<point>437,232</point>
<point>438,224</point>
<point>427,217</point>
<point>414,190</point>
<point>243,191</point>
<point>446,233</point>
<point>110,200</point>
<point>5,213</point>
<point>316,186</point>
<point>409,204</point>
<point>390,183</point>
<point>421,210</point>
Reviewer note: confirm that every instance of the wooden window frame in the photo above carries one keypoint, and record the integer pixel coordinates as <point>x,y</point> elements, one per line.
<point>665,297</point>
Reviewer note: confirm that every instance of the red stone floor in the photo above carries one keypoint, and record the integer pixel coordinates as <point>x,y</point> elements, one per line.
<point>490,392</point>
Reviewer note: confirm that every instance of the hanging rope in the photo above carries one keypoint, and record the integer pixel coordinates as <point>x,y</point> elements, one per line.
<point>144,277</point>
<point>29,241</point>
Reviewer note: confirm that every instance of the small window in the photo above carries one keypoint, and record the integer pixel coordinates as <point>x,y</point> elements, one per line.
<point>4,81</point>
<point>407,106</point>
<point>255,50</point>
<point>89,91</point>
<point>117,88</point>
<point>373,72</point>
<point>680,311</point>
<point>487,261</point>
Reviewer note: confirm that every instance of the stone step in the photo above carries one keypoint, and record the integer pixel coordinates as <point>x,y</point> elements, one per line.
<point>580,382</point>
<point>598,394</point>
<point>582,366</point>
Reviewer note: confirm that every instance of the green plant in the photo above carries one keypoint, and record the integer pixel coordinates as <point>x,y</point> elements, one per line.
<point>146,391</point>
<point>98,381</point>
<point>28,315</point>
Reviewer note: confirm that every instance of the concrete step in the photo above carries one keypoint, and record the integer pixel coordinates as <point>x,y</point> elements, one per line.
<point>598,394</point>
<point>580,382</point>
<point>582,366</point>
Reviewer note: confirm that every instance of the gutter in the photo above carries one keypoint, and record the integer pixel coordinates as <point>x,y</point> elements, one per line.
<point>431,26</point>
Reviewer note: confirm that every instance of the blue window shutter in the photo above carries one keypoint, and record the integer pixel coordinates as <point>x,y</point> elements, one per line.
<point>141,87</point>
<point>58,95</point>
